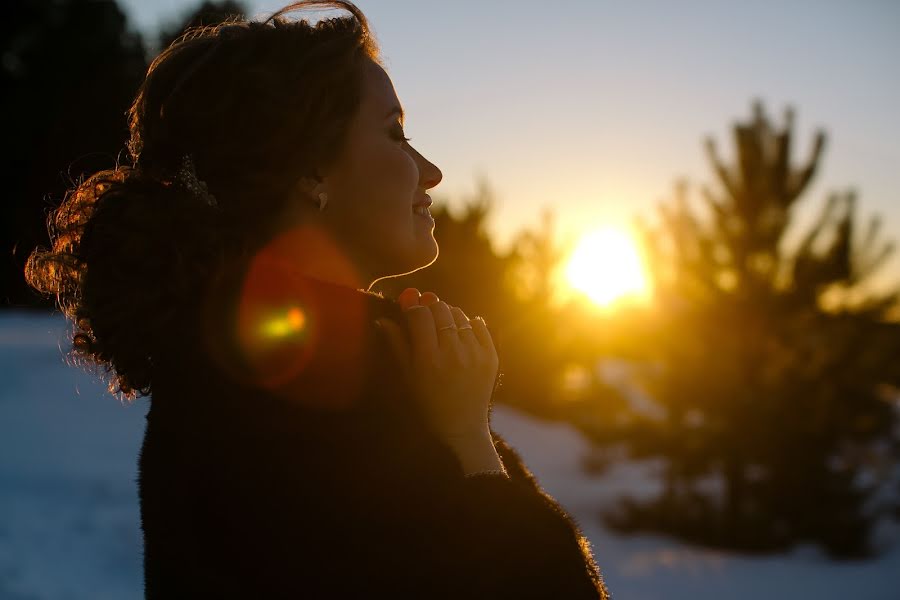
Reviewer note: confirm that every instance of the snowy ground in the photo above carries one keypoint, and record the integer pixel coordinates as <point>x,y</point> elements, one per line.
<point>69,524</point>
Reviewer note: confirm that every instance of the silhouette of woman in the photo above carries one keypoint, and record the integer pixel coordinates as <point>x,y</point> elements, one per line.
<point>307,437</point>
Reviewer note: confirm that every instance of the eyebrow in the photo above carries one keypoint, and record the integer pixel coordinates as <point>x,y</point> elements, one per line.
<point>397,110</point>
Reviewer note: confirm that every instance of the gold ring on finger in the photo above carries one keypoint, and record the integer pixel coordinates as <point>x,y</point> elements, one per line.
<point>452,326</point>
<point>466,326</point>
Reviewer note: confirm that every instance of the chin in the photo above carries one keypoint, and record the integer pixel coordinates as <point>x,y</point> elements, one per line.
<point>415,261</point>
<point>431,255</point>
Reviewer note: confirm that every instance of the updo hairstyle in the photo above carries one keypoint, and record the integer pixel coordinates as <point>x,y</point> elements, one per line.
<point>257,105</point>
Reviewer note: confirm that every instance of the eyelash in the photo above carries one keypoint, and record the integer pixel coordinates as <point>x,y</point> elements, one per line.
<point>401,138</point>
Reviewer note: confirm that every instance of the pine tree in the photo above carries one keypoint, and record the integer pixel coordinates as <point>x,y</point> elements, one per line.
<point>70,69</point>
<point>776,367</point>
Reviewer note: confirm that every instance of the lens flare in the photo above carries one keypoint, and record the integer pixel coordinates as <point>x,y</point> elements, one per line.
<point>280,326</point>
<point>302,337</point>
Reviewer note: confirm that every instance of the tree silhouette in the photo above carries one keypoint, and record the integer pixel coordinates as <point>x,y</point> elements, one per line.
<point>775,371</point>
<point>70,69</point>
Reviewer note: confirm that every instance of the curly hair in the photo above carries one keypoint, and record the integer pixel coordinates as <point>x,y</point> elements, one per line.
<point>258,105</point>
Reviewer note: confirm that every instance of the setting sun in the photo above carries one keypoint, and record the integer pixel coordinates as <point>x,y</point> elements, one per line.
<point>606,266</point>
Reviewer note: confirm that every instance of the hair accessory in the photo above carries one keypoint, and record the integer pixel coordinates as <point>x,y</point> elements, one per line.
<point>323,199</point>
<point>187,177</point>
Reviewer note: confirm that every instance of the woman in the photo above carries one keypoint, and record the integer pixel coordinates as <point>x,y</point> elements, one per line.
<point>307,437</point>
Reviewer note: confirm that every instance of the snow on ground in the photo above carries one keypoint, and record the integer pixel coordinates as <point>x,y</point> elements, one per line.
<point>69,522</point>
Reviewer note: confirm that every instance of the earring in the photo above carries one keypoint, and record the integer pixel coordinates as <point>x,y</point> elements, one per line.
<point>323,199</point>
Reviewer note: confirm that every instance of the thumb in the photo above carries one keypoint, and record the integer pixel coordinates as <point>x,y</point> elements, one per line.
<point>398,344</point>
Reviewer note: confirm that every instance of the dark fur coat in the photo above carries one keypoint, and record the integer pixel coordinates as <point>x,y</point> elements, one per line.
<point>342,492</point>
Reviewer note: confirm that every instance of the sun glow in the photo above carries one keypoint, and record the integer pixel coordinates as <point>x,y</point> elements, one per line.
<point>607,267</point>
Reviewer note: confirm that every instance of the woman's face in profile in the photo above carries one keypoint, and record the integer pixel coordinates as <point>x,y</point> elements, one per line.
<point>373,185</point>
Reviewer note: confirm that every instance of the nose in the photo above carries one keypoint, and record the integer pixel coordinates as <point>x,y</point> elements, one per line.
<point>429,174</point>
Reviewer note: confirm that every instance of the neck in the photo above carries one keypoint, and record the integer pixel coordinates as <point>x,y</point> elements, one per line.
<point>316,253</point>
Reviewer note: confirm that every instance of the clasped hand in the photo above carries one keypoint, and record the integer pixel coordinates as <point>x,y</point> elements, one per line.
<point>452,369</point>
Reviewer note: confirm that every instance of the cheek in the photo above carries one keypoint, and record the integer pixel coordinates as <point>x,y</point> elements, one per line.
<point>394,179</point>
<point>384,181</point>
<point>399,167</point>
<point>387,159</point>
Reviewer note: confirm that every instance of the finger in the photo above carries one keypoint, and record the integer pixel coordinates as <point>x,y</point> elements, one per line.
<point>481,332</point>
<point>465,329</point>
<point>422,332</point>
<point>466,334</point>
<point>445,325</point>
<point>408,297</point>
<point>443,317</point>
<point>429,298</point>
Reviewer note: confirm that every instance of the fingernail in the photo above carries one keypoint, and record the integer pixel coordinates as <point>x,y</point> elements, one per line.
<point>429,298</point>
<point>408,297</point>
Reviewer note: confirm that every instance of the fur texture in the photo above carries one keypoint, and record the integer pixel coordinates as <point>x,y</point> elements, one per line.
<point>249,493</point>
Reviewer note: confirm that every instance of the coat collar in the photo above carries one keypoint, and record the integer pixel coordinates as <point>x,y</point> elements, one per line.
<point>289,341</point>
<point>298,336</point>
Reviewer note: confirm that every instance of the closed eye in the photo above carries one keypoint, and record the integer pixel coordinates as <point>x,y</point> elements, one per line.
<point>397,134</point>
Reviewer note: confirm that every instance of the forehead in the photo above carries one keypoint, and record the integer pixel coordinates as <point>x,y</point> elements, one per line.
<point>378,90</point>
